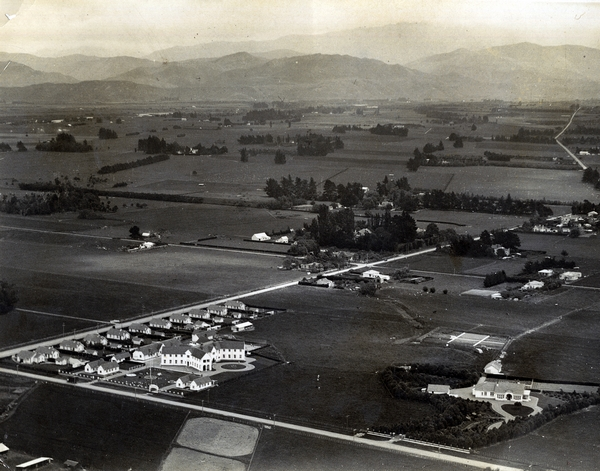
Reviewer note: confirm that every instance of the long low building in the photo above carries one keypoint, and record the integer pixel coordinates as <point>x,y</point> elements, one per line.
<point>502,390</point>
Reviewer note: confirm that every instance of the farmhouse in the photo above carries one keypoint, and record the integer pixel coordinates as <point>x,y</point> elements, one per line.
<point>260,237</point>
<point>117,334</point>
<point>242,327</point>
<point>375,275</point>
<point>570,276</point>
<point>530,286</point>
<point>502,390</point>
<point>326,282</point>
<point>283,240</point>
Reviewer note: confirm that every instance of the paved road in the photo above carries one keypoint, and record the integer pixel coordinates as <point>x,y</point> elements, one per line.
<point>352,439</point>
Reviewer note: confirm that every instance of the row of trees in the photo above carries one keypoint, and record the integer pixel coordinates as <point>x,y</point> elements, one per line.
<point>389,130</point>
<point>64,143</point>
<point>317,144</point>
<point>535,136</point>
<point>105,133</point>
<point>299,191</point>
<point>152,159</point>
<point>592,176</point>
<point>155,145</point>
<point>62,196</point>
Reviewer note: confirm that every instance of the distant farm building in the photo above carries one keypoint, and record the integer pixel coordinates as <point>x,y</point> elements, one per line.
<point>260,237</point>
<point>493,367</point>
<point>532,285</point>
<point>375,275</point>
<point>569,276</point>
<point>438,389</point>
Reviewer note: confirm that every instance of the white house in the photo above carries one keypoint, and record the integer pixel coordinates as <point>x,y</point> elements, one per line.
<point>121,357</point>
<point>283,240</point>
<point>546,272</point>
<point>140,329</point>
<point>236,305</point>
<point>201,382</point>
<point>108,367</point>
<point>570,276</point>
<point>502,390</point>
<point>95,339</point>
<point>242,327</point>
<point>48,352</point>
<point>26,357</point>
<point>532,285</point>
<point>180,319</point>
<point>197,313</point>
<point>493,367</point>
<point>375,275</point>
<point>260,237</point>
<point>217,310</point>
<point>146,352</point>
<point>325,282</point>
<point>92,366</point>
<point>71,346</point>
<point>158,323</point>
<point>117,334</point>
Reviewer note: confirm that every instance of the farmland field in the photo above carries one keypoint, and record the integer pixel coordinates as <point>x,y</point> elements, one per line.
<point>74,274</point>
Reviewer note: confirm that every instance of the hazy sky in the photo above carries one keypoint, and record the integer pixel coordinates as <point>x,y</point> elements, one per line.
<point>138,27</point>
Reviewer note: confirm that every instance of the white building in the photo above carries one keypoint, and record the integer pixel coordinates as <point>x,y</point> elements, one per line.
<point>502,391</point>
<point>532,285</point>
<point>570,276</point>
<point>375,275</point>
<point>242,327</point>
<point>260,237</point>
<point>186,356</point>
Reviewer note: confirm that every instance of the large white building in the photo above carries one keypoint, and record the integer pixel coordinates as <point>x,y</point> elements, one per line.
<point>502,390</point>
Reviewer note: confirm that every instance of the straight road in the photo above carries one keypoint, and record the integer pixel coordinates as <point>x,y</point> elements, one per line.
<point>392,446</point>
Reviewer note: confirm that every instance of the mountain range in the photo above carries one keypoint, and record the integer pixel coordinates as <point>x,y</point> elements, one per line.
<point>522,71</point>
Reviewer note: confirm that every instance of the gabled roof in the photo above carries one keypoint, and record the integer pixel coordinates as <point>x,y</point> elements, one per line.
<point>230,344</point>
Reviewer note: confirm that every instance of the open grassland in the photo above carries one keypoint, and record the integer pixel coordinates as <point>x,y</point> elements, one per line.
<point>99,430</point>
<point>282,450</point>
<point>218,437</point>
<point>184,459</point>
<point>565,444</point>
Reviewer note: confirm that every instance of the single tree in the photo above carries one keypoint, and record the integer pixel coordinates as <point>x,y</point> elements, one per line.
<point>8,297</point>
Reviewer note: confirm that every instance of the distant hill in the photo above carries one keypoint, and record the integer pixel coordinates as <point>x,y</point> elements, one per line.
<point>13,74</point>
<point>522,71</point>
<point>85,92</point>
<point>80,67</point>
<point>395,44</point>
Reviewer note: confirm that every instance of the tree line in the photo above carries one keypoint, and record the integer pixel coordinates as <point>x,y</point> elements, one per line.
<point>155,145</point>
<point>105,133</point>
<point>152,159</point>
<point>64,143</point>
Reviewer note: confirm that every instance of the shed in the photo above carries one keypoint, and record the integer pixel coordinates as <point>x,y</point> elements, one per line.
<point>34,463</point>
<point>3,448</point>
<point>199,383</point>
<point>242,326</point>
<point>438,389</point>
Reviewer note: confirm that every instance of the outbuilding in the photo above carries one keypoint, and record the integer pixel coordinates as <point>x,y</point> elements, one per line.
<point>260,237</point>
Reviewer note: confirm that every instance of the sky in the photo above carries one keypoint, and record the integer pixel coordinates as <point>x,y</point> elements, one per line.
<point>139,27</point>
